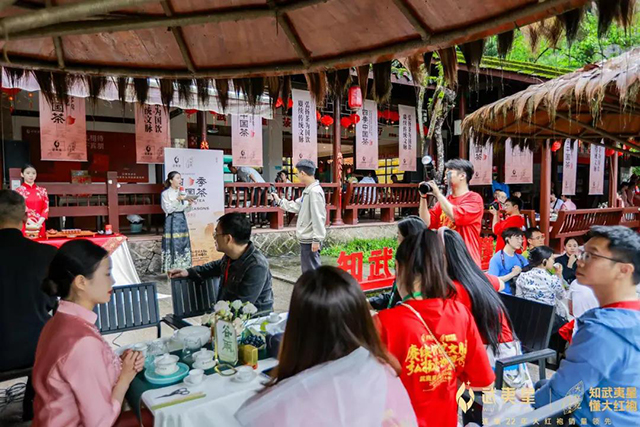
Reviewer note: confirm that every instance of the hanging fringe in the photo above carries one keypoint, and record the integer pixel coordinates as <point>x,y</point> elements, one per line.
<point>608,10</point>
<point>571,22</point>
<point>382,82</point>
<point>184,90</point>
<point>472,52</point>
<point>141,89</point>
<point>14,74</point>
<point>532,35</point>
<point>166,92</point>
<point>552,30</point>
<point>449,60</point>
<point>317,85</point>
<point>46,85</point>
<point>256,89</point>
<point>363,79</point>
<point>286,91</point>
<point>627,9</point>
<point>222,87</point>
<point>273,84</point>
<point>413,64</point>
<point>122,83</point>
<point>505,42</point>
<point>96,85</point>
<point>203,90</point>
<point>426,58</point>
<point>332,83</point>
<point>343,81</point>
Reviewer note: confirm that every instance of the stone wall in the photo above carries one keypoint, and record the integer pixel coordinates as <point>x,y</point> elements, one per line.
<point>147,253</point>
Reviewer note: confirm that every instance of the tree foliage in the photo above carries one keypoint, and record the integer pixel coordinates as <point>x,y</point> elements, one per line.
<point>586,49</point>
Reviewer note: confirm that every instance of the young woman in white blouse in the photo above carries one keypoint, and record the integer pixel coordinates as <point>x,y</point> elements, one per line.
<point>176,246</point>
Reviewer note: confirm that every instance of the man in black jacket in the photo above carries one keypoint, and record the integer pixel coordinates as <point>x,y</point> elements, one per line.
<point>24,307</point>
<point>243,270</point>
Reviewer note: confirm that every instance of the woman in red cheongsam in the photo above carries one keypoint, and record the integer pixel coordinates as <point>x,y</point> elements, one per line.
<point>37,201</point>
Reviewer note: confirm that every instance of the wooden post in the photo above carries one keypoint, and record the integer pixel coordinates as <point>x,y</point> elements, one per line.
<point>337,161</point>
<point>545,190</point>
<point>112,201</point>
<point>613,180</point>
<point>463,147</point>
<point>201,124</point>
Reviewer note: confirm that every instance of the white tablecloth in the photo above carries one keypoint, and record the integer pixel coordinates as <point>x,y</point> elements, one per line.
<point>123,269</point>
<point>223,398</point>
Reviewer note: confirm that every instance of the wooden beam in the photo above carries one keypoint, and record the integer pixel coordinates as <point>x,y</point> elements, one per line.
<point>600,132</point>
<point>291,34</point>
<point>63,13</point>
<point>412,16</point>
<point>180,41</point>
<point>6,3</point>
<point>57,41</point>
<point>509,20</point>
<point>545,189</point>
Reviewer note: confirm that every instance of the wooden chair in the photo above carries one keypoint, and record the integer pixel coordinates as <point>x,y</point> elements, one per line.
<point>191,299</point>
<point>131,307</point>
<point>532,323</point>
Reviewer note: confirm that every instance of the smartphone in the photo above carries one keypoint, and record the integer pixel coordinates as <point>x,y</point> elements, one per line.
<point>267,372</point>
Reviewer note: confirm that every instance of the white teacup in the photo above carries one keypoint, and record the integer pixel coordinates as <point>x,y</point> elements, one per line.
<point>196,376</point>
<point>166,364</point>
<point>203,356</point>
<point>244,372</point>
<point>273,318</point>
<point>142,348</point>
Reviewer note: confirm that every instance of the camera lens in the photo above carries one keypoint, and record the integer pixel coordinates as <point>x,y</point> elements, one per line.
<point>424,188</point>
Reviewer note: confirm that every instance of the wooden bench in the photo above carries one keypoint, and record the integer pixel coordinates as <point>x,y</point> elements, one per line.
<point>577,223</point>
<point>386,197</point>
<point>631,217</point>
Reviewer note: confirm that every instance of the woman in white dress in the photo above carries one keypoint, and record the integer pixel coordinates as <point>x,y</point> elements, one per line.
<point>176,244</point>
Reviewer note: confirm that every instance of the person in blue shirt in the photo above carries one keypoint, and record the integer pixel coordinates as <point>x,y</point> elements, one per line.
<point>506,263</point>
<point>602,363</point>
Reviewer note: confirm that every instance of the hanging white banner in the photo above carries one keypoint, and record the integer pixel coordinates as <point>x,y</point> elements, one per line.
<point>63,130</point>
<point>152,133</point>
<point>481,157</point>
<point>596,170</point>
<point>407,148</point>
<point>518,164</point>
<point>246,140</point>
<point>570,167</point>
<point>304,130</point>
<point>367,137</point>
<point>202,177</point>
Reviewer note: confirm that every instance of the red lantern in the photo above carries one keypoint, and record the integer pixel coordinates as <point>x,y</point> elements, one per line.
<point>394,116</point>
<point>609,152</point>
<point>354,118</point>
<point>384,115</point>
<point>279,103</point>
<point>190,111</point>
<point>556,146</point>
<point>11,91</point>
<point>355,97</point>
<point>326,121</point>
<point>289,103</point>
<point>345,122</point>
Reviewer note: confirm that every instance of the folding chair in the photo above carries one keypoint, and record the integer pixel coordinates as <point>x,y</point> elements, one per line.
<point>191,299</point>
<point>131,307</point>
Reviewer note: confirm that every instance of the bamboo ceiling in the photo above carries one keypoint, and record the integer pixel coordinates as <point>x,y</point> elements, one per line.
<point>599,103</point>
<point>245,38</point>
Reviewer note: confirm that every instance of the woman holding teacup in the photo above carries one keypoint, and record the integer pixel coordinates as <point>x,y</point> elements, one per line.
<point>79,380</point>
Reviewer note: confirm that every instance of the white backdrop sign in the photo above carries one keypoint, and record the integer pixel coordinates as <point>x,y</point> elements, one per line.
<point>304,130</point>
<point>481,157</point>
<point>246,140</point>
<point>596,170</point>
<point>570,167</point>
<point>408,138</point>
<point>367,137</point>
<point>518,164</point>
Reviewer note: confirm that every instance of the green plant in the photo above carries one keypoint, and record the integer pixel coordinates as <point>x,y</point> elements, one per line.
<point>363,245</point>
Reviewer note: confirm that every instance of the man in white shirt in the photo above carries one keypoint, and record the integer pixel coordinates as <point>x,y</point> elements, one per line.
<point>581,299</point>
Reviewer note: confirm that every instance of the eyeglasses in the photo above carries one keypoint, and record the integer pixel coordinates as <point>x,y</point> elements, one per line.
<point>587,256</point>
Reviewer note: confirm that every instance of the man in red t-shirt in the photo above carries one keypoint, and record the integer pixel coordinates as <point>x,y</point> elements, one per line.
<point>462,210</point>
<point>513,220</point>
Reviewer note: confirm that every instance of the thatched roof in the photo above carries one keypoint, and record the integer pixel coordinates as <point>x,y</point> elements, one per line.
<point>599,104</point>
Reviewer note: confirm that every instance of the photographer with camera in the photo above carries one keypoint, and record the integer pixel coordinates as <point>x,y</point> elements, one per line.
<point>462,210</point>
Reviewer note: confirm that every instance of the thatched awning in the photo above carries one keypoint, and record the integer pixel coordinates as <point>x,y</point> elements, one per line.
<point>599,104</point>
<point>244,38</point>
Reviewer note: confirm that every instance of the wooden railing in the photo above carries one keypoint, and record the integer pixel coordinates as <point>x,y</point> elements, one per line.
<point>577,223</point>
<point>631,217</point>
<point>386,197</point>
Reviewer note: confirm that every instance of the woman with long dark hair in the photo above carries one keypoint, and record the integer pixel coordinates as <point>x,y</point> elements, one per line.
<point>412,224</point>
<point>434,336</point>
<point>333,370</point>
<point>569,260</point>
<point>176,243</point>
<point>78,379</point>
<point>37,201</point>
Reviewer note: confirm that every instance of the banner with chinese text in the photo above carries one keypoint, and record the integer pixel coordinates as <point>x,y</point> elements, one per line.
<point>569,167</point>
<point>596,169</point>
<point>63,130</point>
<point>152,133</point>
<point>304,133</point>
<point>246,140</point>
<point>202,176</point>
<point>481,157</point>
<point>366,150</point>
<point>518,164</point>
<point>408,138</point>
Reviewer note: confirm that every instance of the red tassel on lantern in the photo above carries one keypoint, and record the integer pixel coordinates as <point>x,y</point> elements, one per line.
<point>355,118</point>
<point>556,146</point>
<point>190,112</point>
<point>345,122</point>
<point>326,121</point>
<point>355,97</point>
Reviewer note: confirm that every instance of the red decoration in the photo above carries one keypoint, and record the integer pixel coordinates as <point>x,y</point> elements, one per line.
<point>384,115</point>
<point>279,103</point>
<point>394,116</point>
<point>355,97</point>
<point>11,91</point>
<point>609,152</point>
<point>289,103</point>
<point>318,115</point>
<point>354,118</point>
<point>190,111</point>
<point>326,121</point>
<point>556,146</point>
<point>204,145</point>
<point>379,274</point>
<point>345,122</point>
